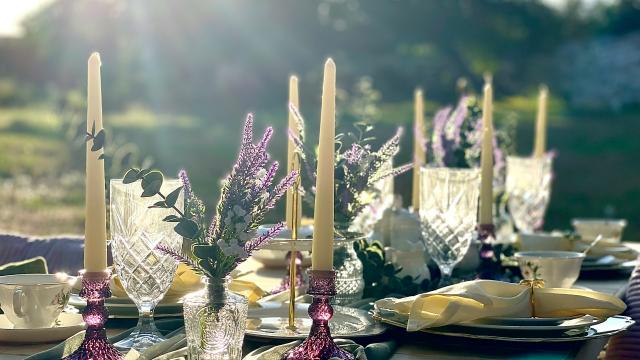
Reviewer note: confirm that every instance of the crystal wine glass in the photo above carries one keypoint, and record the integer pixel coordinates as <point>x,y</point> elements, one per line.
<point>146,274</point>
<point>448,214</point>
<point>528,187</point>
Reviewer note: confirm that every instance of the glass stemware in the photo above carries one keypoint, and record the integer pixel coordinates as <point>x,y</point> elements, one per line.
<point>145,273</point>
<point>528,187</point>
<point>448,214</point>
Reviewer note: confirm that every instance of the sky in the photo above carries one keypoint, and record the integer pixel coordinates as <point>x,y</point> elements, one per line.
<point>12,12</point>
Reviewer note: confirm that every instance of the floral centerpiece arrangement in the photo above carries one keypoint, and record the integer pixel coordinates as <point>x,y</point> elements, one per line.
<point>457,138</point>
<point>215,318</point>
<point>358,168</point>
<point>457,142</point>
<point>358,171</point>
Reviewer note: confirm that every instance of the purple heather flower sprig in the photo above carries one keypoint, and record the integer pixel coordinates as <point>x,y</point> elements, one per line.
<point>457,138</point>
<point>248,193</point>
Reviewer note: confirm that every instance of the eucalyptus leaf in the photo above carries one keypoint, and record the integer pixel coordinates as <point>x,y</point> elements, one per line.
<point>159,204</point>
<point>204,251</point>
<point>187,228</point>
<point>143,172</point>
<point>172,218</point>
<point>172,198</point>
<point>98,141</point>
<point>131,176</point>
<point>151,183</point>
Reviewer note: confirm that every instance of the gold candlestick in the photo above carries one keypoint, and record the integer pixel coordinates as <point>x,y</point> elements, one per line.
<point>295,220</point>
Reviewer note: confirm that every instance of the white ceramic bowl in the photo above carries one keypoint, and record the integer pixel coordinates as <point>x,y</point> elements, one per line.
<point>558,269</point>
<point>589,229</point>
<point>544,241</point>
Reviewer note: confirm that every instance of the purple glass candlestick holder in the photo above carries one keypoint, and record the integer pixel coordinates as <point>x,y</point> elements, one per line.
<point>490,267</point>
<point>319,344</point>
<point>95,288</point>
<point>285,284</point>
<point>486,235</point>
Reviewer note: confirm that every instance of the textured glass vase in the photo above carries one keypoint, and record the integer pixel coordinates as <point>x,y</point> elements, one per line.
<point>215,321</point>
<point>349,272</point>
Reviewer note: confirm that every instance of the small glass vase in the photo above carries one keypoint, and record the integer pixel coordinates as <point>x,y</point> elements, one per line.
<point>215,321</point>
<point>349,272</point>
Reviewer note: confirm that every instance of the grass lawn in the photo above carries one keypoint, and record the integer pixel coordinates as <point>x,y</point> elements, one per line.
<point>42,159</point>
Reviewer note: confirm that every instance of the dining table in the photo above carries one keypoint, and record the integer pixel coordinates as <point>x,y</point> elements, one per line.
<point>417,345</point>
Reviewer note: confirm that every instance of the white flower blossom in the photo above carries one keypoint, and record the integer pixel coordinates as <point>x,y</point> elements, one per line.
<point>261,174</point>
<point>232,248</point>
<point>244,236</point>
<point>239,211</point>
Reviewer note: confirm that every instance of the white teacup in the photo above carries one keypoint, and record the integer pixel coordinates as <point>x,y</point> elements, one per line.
<point>558,269</point>
<point>34,300</point>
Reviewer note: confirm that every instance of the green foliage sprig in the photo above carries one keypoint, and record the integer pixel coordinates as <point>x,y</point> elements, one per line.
<point>381,275</point>
<point>98,140</point>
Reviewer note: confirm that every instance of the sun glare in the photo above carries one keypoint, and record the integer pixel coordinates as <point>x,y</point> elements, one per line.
<point>12,12</point>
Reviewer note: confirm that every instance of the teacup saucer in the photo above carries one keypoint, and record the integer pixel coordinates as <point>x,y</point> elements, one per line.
<point>66,326</point>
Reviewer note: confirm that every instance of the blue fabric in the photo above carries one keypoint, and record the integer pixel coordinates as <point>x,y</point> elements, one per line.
<point>627,346</point>
<point>63,253</point>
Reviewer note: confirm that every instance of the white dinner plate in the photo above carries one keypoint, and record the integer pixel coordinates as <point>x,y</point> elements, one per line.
<point>581,323</point>
<point>608,328</point>
<point>525,321</point>
<point>124,308</point>
<point>66,326</point>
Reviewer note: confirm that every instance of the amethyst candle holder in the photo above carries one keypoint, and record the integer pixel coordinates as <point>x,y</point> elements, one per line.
<point>285,284</point>
<point>319,345</point>
<point>490,267</point>
<point>95,288</point>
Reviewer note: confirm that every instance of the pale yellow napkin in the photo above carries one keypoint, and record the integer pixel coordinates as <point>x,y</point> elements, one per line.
<point>478,299</point>
<point>187,281</point>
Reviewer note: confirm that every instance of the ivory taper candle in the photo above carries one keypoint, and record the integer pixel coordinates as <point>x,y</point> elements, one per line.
<point>419,151</point>
<point>293,161</point>
<point>486,160</point>
<point>541,123</point>
<point>322,247</point>
<point>95,225</point>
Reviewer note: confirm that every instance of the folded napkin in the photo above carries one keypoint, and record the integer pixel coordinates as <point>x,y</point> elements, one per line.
<point>187,281</point>
<point>478,299</point>
<point>36,265</point>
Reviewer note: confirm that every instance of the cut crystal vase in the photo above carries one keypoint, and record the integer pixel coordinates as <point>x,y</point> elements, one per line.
<point>348,267</point>
<point>215,321</point>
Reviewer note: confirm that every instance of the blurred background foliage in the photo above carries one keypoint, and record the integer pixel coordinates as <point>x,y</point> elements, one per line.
<point>179,76</point>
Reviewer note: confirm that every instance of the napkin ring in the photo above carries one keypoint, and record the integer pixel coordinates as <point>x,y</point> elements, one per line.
<point>533,284</point>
